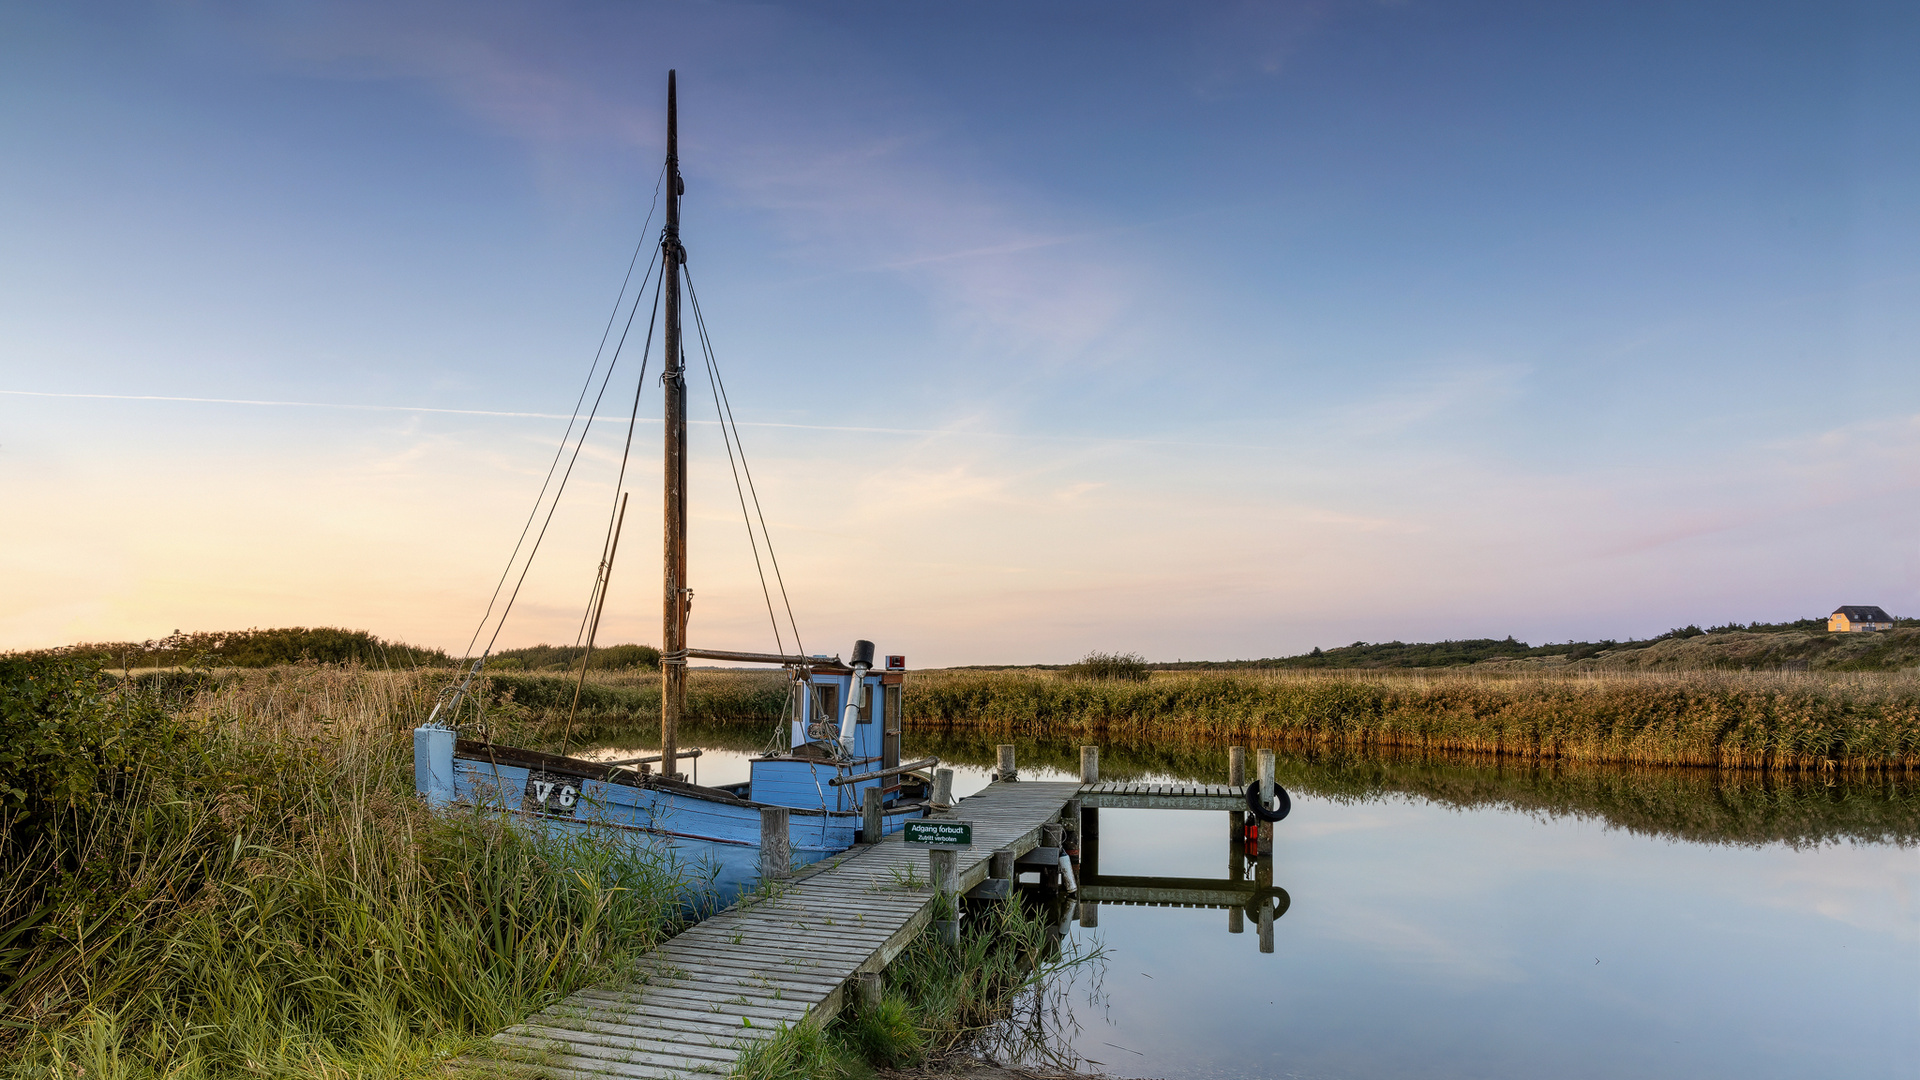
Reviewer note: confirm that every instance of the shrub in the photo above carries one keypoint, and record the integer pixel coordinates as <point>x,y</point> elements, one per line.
<point>1109,666</point>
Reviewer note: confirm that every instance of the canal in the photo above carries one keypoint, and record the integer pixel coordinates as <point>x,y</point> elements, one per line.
<point>1467,918</point>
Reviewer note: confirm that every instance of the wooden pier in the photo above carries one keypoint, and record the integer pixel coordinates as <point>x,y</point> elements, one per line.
<point>704,997</point>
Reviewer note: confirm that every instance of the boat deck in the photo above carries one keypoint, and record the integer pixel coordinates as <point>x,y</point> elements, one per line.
<point>703,998</point>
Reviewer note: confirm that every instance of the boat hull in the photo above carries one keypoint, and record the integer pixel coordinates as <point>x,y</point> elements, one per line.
<point>711,837</point>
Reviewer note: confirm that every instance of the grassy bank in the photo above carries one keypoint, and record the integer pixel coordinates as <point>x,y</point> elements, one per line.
<point>1730,719</point>
<point>247,885</point>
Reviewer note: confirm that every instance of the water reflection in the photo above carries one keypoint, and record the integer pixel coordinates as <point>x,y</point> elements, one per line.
<point>1456,916</point>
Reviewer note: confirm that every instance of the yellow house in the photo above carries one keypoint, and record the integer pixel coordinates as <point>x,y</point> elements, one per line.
<point>1849,617</point>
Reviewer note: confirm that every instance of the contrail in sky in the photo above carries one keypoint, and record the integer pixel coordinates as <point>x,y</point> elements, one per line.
<point>563,416</point>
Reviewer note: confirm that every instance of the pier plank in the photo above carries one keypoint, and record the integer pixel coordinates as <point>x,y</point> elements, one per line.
<point>776,959</point>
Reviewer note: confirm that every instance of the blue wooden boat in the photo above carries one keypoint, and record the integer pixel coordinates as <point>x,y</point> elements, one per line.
<point>820,780</point>
<point>842,731</point>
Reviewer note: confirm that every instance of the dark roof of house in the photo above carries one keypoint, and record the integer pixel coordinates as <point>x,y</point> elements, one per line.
<point>1862,613</point>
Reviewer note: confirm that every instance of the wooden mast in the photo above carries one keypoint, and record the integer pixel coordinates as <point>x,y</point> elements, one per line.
<point>677,597</point>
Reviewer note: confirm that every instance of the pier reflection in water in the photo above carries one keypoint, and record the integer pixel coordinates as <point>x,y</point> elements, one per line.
<point>1447,916</point>
<point>1246,892</point>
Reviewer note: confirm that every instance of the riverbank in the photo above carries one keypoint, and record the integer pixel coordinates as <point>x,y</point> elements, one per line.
<point>239,880</point>
<point>1724,719</point>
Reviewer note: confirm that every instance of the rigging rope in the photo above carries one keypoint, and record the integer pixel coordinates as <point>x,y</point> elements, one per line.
<point>724,406</point>
<point>561,449</point>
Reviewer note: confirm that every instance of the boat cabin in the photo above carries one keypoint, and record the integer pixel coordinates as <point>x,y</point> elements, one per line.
<point>816,753</point>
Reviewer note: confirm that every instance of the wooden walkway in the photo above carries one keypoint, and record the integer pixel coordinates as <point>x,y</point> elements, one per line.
<point>1164,796</point>
<point>701,999</point>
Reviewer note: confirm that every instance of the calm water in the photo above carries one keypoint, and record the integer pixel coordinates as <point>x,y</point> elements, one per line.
<point>1455,920</point>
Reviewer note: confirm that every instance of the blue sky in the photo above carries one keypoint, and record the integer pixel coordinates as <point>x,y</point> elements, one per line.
<point>1201,330</point>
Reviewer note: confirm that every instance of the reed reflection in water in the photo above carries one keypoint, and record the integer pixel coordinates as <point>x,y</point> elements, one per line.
<point>1460,916</point>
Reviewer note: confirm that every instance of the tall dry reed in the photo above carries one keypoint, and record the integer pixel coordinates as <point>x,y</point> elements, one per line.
<point>262,893</point>
<point>1857,720</point>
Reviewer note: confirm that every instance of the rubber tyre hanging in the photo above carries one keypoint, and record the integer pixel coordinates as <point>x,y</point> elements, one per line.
<point>1259,810</point>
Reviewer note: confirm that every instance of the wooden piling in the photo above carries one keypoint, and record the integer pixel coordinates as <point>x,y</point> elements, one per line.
<point>1007,770</point>
<point>869,988</point>
<point>1000,865</point>
<point>1089,764</point>
<point>1266,800</point>
<point>943,870</point>
<point>1237,779</point>
<point>943,788</point>
<point>776,855</point>
<point>870,819</point>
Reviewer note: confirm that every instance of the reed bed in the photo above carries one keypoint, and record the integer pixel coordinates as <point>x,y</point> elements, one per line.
<point>249,887</point>
<point>1748,807</point>
<point>1726,719</point>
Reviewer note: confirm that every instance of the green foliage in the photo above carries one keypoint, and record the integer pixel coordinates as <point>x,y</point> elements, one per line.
<point>938,994</point>
<point>804,1051</point>
<point>567,657</point>
<point>615,705</point>
<point>266,895</point>
<point>66,739</point>
<point>252,649</point>
<point>1098,665</point>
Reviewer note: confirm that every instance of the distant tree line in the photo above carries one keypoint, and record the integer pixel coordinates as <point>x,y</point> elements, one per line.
<point>1401,654</point>
<point>328,645</point>
<point>251,649</point>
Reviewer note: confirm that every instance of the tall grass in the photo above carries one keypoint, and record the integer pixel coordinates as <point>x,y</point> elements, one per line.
<point>257,891</point>
<point>939,996</point>
<point>613,704</point>
<point>1700,718</point>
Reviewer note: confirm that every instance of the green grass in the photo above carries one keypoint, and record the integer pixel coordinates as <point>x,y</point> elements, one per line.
<point>249,887</point>
<point>939,996</point>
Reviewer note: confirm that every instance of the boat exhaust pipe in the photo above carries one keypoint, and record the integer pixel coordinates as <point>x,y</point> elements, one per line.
<point>856,692</point>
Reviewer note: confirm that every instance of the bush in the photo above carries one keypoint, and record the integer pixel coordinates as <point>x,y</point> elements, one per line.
<point>258,891</point>
<point>1108,666</point>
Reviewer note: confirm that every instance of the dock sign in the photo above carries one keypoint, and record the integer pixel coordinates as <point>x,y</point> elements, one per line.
<point>939,832</point>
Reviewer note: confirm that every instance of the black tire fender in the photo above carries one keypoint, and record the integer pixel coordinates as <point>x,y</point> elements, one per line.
<point>1280,796</point>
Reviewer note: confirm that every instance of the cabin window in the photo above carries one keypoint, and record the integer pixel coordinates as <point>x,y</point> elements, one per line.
<point>866,706</point>
<point>829,702</point>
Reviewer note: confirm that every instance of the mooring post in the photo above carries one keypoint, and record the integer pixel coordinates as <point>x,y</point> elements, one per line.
<point>1089,764</point>
<point>1007,771</point>
<point>868,988</point>
<point>1237,780</point>
<point>1236,921</point>
<point>776,857</point>
<point>1089,913</point>
<point>1266,800</point>
<point>870,820</point>
<point>1000,865</point>
<point>1263,884</point>
<point>943,869</point>
<point>943,788</point>
<point>1051,837</point>
<point>1070,817</point>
